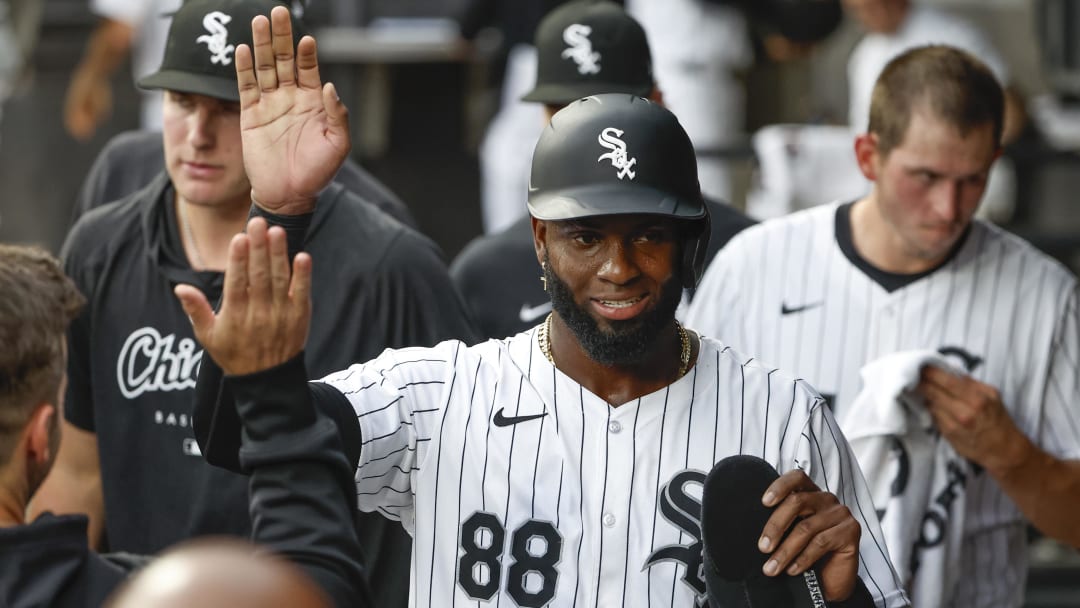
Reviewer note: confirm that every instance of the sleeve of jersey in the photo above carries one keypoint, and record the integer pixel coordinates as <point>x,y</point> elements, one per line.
<point>398,398</point>
<point>79,265</point>
<point>1059,432</point>
<point>421,305</point>
<point>824,455</point>
<point>712,311</point>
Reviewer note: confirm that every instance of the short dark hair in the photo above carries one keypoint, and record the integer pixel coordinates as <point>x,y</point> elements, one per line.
<point>951,84</point>
<point>37,303</point>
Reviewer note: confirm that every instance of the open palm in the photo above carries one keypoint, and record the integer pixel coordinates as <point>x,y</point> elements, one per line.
<point>295,130</point>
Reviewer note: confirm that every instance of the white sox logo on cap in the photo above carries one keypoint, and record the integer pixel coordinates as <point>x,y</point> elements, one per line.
<point>580,48</point>
<point>217,38</point>
<point>609,138</point>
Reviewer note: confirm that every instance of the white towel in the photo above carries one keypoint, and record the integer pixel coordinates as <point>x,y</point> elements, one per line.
<point>915,476</point>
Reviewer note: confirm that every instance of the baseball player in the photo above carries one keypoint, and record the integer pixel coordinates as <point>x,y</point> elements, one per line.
<point>130,458</point>
<point>561,466</point>
<point>585,47</point>
<point>827,290</point>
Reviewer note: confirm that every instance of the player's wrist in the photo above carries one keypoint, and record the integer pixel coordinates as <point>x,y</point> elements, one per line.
<point>1014,458</point>
<point>297,206</point>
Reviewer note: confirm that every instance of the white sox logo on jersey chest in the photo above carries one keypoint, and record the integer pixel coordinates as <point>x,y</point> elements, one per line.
<point>683,510</point>
<point>610,138</point>
<point>580,50</point>
<point>216,41</point>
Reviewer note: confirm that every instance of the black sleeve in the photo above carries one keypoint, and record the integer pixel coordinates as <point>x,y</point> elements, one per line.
<point>214,418</point>
<point>302,494</point>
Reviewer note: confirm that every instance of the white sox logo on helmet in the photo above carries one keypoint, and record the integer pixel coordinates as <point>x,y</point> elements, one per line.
<point>217,38</point>
<point>580,48</point>
<point>610,139</point>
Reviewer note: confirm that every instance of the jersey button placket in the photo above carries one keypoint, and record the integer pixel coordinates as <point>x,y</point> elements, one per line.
<point>614,427</point>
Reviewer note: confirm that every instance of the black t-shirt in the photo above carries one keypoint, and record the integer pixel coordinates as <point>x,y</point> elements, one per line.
<point>890,281</point>
<point>134,361</point>
<point>499,277</point>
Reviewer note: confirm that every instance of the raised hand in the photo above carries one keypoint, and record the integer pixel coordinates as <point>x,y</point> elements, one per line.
<point>827,532</point>
<point>295,129</point>
<point>265,310</point>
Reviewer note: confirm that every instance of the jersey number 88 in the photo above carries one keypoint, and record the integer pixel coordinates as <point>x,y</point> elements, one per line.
<point>535,547</point>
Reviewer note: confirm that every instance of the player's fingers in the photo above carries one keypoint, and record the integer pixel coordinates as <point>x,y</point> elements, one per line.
<point>246,83</point>
<point>279,265</point>
<point>337,115</point>
<point>947,410</point>
<point>307,63</point>
<point>300,291</point>
<point>198,310</point>
<point>258,273</point>
<point>797,520</point>
<point>947,381</point>
<point>815,537</point>
<point>792,481</point>
<point>265,69</point>
<point>282,44</point>
<point>235,292</point>
<point>795,503</point>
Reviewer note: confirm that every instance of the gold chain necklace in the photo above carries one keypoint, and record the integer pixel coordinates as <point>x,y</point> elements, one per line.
<point>543,337</point>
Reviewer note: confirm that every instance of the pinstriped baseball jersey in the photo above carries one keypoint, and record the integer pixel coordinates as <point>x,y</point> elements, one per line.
<point>786,292</point>
<point>521,488</point>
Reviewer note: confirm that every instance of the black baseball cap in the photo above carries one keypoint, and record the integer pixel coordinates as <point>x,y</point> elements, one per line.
<point>588,47</point>
<point>203,37</point>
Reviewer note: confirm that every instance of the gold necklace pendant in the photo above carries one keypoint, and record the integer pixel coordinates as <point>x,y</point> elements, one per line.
<point>543,338</point>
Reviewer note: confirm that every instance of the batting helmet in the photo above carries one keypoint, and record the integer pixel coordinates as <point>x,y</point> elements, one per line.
<point>619,154</point>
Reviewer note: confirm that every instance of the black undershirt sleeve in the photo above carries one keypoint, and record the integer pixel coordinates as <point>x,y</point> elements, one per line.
<point>216,425</point>
<point>302,493</point>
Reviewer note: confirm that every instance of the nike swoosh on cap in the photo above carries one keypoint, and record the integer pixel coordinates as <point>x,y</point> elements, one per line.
<point>532,313</point>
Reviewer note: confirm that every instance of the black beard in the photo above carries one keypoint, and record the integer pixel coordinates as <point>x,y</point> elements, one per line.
<point>629,341</point>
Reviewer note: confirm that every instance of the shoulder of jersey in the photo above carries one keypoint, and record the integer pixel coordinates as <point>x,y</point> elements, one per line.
<point>1016,245</point>
<point>820,217</point>
<point>735,362</point>
<point>104,226</point>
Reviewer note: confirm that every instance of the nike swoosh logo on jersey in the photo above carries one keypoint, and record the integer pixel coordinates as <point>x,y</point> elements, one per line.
<point>790,310</point>
<point>501,420</point>
<point>529,314</point>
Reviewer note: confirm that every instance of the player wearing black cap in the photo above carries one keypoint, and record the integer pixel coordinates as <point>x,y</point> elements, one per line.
<point>585,48</point>
<point>559,466</point>
<point>129,458</point>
